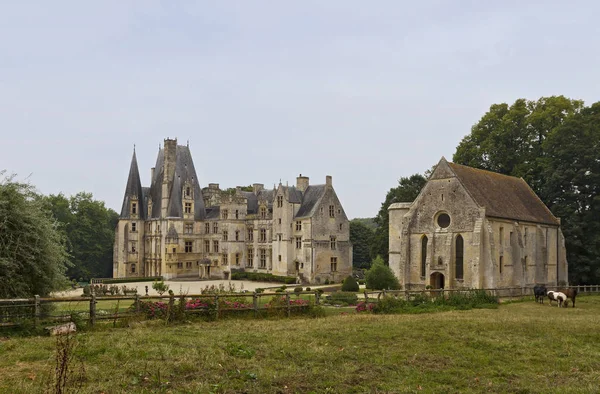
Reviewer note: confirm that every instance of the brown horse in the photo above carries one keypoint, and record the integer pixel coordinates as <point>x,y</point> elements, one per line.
<point>570,293</point>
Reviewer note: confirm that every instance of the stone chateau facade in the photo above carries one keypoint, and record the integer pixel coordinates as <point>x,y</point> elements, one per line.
<point>470,228</point>
<point>176,229</point>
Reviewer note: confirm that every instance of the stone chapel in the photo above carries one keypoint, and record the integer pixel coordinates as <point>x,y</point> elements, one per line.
<point>470,228</point>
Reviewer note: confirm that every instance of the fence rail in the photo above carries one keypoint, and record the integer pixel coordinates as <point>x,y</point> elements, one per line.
<point>501,292</point>
<point>35,308</point>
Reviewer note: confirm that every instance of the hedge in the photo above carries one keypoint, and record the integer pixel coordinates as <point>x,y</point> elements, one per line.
<point>128,280</point>
<point>261,277</point>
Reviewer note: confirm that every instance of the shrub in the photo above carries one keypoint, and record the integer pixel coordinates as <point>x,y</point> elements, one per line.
<point>389,304</point>
<point>259,290</point>
<point>350,284</point>
<point>160,287</point>
<point>308,289</point>
<point>381,277</point>
<point>298,290</point>
<point>262,277</point>
<point>327,281</point>
<point>343,298</point>
<point>128,280</point>
<point>361,281</point>
<point>364,307</point>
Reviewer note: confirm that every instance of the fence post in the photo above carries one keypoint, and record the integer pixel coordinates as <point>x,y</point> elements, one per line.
<point>366,297</point>
<point>137,303</point>
<point>93,309</point>
<point>287,300</point>
<point>216,307</point>
<point>255,303</point>
<point>36,319</point>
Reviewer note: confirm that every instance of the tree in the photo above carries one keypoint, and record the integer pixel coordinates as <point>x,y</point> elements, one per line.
<point>407,191</point>
<point>361,237</point>
<point>350,284</point>
<point>33,256</point>
<point>572,190</point>
<point>510,139</point>
<point>381,277</point>
<point>160,287</point>
<point>89,228</point>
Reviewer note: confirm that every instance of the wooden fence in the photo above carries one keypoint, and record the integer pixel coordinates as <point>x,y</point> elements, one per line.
<point>13,310</point>
<point>34,308</point>
<point>504,293</point>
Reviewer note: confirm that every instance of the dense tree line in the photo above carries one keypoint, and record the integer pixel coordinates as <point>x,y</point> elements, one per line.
<point>554,144</point>
<point>33,255</point>
<point>45,240</point>
<point>89,228</point>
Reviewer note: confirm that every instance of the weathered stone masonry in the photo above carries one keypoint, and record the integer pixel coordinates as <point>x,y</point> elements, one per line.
<point>176,229</point>
<point>470,228</point>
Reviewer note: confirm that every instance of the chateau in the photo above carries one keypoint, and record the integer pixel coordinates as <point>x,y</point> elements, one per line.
<point>175,229</point>
<point>475,229</point>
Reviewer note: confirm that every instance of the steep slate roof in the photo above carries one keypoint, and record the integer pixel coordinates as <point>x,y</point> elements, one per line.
<point>503,196</point>
<point>213,212</point>
<point>252,202</point>
<point>294,195</point>
<point>133,189</point>
<point>312,195</point>
<point>184,172</point>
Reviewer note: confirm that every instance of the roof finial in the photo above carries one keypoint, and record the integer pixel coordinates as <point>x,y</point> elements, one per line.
<point>133,148</point>
<point>188,143</point>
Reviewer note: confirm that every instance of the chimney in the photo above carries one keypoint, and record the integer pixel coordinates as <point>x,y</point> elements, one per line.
<point>328,180</point>
<point>170,159</point>
<point>302,183</point>
<point>213,186</point>
<point>256,187</point>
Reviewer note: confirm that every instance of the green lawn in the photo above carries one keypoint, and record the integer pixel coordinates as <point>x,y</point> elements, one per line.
<point>519,347</point>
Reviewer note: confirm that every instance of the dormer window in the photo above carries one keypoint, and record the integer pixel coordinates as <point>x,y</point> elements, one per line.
<point>279,201</point>
<point>263,212</point>
<point>188,207</point>
<point>331,211</point>
<point>134,208</point>
<point>224,214</point>
<point>188,191</point>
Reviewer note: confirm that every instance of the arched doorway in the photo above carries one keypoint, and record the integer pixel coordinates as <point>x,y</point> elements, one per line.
<point>436,280</point>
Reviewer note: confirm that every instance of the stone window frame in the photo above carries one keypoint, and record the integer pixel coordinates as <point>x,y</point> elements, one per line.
<point>424,247</point>
<point>189,246</point>
<point>250,260</point>
<point>333,262</point>
<point>133,227</point>
<point>436,219</point>
<point>263,258</point>
<point>462,258</point>
<point>188,207</point>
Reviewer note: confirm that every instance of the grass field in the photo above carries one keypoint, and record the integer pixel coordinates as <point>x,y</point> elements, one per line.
<point>519,347</point>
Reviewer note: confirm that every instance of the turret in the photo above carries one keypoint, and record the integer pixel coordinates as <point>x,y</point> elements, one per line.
<point>302,183</point>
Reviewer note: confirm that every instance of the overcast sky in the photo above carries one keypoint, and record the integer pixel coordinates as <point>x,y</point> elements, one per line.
<point>367,92</point>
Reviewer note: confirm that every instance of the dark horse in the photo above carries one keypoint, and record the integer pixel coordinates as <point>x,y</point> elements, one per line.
<point>540,293</point>
<point>570,293</point>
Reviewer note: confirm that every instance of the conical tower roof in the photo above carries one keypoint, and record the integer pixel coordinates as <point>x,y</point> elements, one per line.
<point>133,191</point>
